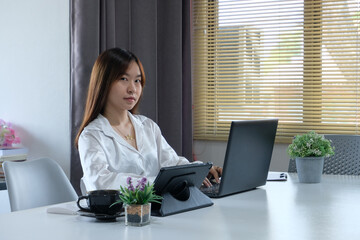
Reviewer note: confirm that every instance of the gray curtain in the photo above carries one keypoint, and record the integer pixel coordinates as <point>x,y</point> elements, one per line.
<point>158,32</point>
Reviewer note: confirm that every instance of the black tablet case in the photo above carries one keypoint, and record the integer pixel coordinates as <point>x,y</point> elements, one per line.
<point>179,187</point>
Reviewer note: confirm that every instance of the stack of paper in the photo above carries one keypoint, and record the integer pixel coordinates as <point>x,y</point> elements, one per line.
<point>11,154</point>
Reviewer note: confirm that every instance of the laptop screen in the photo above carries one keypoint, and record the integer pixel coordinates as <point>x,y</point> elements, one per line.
<point>248,155</point>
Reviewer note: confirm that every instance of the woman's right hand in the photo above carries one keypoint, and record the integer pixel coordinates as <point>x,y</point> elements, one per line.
<point>215,173</point>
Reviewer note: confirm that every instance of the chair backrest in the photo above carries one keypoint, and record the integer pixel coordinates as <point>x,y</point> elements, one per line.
<point>37,183</point>
<point>345,161</point>
<point>292,166</point>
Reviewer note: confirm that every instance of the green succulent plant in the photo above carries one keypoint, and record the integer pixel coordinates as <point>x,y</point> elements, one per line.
<point>310,144</point>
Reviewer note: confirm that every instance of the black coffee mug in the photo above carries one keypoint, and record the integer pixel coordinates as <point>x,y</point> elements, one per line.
<point>100,201</point>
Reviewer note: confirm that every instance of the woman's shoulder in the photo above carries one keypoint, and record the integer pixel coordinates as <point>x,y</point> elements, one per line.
<point>144,121</point>
<point>99,124</point>
<point>140,118</point>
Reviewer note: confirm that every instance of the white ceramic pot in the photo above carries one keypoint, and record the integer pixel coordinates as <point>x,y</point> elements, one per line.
<point>309,169</point>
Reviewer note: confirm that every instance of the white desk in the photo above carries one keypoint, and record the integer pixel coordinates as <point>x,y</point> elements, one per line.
<point>279,210</point>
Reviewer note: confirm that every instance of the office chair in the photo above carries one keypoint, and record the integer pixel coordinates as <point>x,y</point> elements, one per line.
<point>37,183</point>
<point>345,161</point>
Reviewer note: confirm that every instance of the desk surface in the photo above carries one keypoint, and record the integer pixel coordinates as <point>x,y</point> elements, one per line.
<point>279,210</point>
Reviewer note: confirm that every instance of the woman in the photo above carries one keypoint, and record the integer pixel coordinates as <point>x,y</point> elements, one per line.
<point>113,142</point>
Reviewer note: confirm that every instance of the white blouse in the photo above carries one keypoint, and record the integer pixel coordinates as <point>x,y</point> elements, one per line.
<point>107,159</point>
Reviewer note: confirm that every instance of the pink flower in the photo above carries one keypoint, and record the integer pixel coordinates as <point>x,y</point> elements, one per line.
<point>7,134</point>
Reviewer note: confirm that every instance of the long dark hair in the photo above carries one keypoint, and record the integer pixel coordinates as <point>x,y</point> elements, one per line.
<point>109,67</point>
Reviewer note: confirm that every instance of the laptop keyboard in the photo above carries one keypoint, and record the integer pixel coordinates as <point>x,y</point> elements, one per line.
<point>214,189</point>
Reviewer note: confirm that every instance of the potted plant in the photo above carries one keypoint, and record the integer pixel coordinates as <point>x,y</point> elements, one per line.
<point>309,151</point>
<point>137,201</point>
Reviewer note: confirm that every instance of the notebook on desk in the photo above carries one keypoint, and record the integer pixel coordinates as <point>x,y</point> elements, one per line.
<point>247,159</point>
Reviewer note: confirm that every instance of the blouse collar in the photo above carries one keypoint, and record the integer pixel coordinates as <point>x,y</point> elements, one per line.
<point>105,126</point>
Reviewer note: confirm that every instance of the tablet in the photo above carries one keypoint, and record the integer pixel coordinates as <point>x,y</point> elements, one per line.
<point>179,187</point>
<point>173,179</point>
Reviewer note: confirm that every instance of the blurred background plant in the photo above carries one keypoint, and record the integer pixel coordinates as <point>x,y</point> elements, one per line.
<point>8,136</point>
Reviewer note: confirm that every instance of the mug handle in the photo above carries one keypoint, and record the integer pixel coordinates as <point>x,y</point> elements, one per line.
<point>78,203</point>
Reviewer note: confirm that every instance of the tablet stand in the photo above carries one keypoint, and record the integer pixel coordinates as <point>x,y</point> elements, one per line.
<point>180,197</point>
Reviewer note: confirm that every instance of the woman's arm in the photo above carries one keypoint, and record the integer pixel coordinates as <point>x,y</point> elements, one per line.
<point>166,154</point>
<point>168,157</point>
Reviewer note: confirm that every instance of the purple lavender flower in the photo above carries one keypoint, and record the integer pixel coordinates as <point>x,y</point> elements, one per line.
<point>130,185</point>
<point>141,184</point>
<point>131,188</point>
<point>128,181</point>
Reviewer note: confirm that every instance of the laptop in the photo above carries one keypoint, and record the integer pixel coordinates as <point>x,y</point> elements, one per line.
<point>247,159</point>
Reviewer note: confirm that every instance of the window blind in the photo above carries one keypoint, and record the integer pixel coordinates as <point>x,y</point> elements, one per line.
<point>294,60</point>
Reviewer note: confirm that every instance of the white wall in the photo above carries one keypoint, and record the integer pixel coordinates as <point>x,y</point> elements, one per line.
<point>35,81</point>
<point>214,151</point>
<point>34,75</point>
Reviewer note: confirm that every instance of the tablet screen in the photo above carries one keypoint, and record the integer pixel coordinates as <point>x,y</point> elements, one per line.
<point>171,177</point>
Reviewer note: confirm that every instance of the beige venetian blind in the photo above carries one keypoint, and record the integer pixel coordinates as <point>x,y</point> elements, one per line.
<point>297,61</point>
